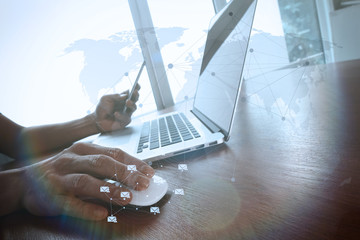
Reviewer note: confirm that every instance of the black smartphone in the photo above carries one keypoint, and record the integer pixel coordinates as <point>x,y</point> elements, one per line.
<point>135,83</point>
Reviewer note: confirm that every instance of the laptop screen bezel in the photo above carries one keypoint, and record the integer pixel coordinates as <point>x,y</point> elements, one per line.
<point>201,116</point>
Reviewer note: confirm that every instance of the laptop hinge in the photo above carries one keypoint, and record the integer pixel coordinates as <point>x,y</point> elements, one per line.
<point>208,123</point>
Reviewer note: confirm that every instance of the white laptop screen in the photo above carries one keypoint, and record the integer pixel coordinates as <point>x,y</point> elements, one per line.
<point>223,61</point>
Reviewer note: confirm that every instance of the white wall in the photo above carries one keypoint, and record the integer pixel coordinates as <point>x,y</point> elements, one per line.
<point>346,33</point>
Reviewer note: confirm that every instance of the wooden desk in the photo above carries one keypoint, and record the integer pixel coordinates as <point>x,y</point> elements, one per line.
<point>296,177</point>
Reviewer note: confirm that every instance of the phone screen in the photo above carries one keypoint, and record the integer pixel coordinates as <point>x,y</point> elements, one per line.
<point>135,83</point>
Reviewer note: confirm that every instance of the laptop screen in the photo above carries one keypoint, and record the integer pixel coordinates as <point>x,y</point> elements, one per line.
<point>223,61</point>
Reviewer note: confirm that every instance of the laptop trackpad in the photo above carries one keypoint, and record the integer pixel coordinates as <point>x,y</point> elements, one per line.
<point>116,138</point>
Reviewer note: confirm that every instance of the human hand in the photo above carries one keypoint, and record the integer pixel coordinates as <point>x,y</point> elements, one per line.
<point>58,185</point>
<point>110,115</point>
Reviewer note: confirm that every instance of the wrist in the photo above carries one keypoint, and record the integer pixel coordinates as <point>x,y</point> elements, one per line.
<point>92,124</point>
<point>12,190</point>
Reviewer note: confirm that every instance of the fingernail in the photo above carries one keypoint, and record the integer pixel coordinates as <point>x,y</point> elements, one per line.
<point>147,170</point>
<point>143,182</point>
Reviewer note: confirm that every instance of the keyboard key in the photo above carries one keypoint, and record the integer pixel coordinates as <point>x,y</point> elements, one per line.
<point>166,131</point>
<point>187,137</point>
<point>154,145</point>
<point>190,126</point>
<point>165,144</point>
<point>176,141</point>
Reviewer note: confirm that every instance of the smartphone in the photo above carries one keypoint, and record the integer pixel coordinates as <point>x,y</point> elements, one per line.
<point>135,83</point>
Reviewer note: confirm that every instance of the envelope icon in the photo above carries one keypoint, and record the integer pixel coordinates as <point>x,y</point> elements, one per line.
<point>125,194</point>
<point>158,179</point>
<point>179,191</point>
<point>111,219</point>
<point>154,210</point>
<point>131,167</point>
<point>182,167</point>
<point>105,189</point>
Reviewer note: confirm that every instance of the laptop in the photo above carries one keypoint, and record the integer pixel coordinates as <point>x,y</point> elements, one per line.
<point>210,120</point>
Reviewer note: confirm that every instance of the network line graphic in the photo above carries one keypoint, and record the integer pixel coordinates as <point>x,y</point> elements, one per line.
<point>124,195</point>
<point>266,69</point>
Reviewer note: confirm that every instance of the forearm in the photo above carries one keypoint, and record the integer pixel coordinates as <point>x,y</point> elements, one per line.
<point>44,139</point>
<point>11,185</point>
<point>10,135</point>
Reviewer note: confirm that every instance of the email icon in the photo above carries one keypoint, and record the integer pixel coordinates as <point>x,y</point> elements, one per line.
<point>111,219</point>
<point>105,189</point>
<point>179,191</point>
<point>158,179</point>
<point>155,210</point>
<point>182,167</point>
<point>125,194</point>
<point>131,167</point>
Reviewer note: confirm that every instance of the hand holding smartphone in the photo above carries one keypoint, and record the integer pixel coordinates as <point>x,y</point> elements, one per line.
<point>135,84</point>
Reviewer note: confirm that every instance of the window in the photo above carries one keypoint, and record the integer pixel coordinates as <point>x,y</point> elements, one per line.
<point>302,31</point>
<point>59,57</point>
<point>181,27</point>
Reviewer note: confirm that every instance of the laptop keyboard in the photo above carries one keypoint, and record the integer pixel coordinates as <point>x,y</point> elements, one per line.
<point>165,131</point>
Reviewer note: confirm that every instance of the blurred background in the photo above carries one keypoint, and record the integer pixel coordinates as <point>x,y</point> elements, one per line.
<point>59,57</point>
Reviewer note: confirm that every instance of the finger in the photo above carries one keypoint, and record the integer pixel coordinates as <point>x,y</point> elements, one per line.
<point>117,96</point>
<point>119,101</point>
<point>135,96</point>
<point>116,100</point>
<point>126,93</point>
<point>123,119</point>
<point>138,87</point>
<point>75,207</point>
<point>102,166</point>
<point>115,153</point>
<point>129,110</point>
<point>131,106</point>
<point>83,185</point>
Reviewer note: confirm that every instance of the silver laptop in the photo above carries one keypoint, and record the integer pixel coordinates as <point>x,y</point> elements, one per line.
<point>210,120</point>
